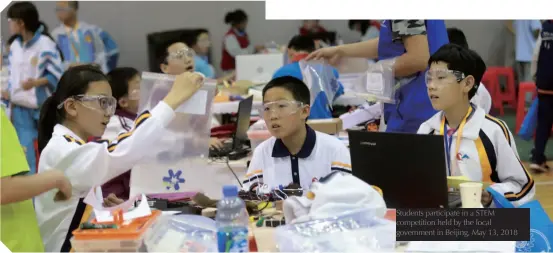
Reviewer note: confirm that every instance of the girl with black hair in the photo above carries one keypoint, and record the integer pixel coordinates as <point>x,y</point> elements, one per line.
<point>236,41</point>
<point>80,109</point>
<point>35,66</point>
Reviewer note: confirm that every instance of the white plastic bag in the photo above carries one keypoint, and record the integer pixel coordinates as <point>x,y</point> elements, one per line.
<point>378,83</point>
<point>320,79</point>
<point>182,233</point>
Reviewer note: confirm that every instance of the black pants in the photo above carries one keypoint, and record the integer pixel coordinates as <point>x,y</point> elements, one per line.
<point>543,130</point>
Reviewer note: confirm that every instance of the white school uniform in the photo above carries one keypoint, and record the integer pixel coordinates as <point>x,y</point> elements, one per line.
<point>117,124</point>
<point>482,98</point>
<point>487,154</point>
<point>89,165</point>
<point>272,164</point>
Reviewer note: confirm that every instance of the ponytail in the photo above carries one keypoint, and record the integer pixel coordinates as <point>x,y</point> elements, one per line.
<point>49,117</point>
<point>47,34</point>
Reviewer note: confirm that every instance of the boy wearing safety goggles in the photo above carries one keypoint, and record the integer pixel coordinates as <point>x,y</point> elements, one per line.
<point>478,146</point>
<point>296,153</point>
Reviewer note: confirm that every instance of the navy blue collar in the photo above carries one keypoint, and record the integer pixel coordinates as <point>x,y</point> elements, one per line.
<point>34,39</point>
<point>280,150</point>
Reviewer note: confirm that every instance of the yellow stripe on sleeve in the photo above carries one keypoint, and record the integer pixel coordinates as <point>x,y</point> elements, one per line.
<point>484,162</point>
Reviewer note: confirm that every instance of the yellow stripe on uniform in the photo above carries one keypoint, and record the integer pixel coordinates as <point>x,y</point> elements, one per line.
<point>345,165</point>
<point>484,162</point>
<point>503,127</point>
<point>139,120</point>
<point>70,138</point>
<point>254,173</point>
<point>525,188</point>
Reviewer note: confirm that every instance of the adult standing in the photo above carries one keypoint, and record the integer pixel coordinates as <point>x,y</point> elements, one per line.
<point>526,32</point>
<point>410,42</point>
<point>83,43</point>
<point>236,41</point>
<point>544,82</point>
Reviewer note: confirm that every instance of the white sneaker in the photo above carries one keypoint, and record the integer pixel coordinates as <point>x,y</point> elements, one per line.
<point>541,168</point>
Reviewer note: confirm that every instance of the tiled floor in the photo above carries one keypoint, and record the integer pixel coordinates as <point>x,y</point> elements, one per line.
<point>544,190</point>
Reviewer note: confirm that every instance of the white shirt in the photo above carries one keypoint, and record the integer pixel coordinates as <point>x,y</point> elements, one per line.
<point>116,125</point>
<point>487,154</point>
<point>273,165</point>
<point>482,98</point>
<point>91,164</point>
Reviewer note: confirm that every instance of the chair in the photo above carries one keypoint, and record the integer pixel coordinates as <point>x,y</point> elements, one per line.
<point>508,94</point>
<point>491,83</point>
<point>521,109</point>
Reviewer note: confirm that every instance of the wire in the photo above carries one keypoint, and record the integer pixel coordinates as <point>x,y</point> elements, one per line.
<point>231,170</point>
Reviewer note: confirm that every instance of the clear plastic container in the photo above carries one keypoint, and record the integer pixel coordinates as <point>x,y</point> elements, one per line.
<point>116,245</point>
<point>182,233</point>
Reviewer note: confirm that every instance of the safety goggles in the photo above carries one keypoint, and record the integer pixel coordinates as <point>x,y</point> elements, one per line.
<point>183,54</point>
<point>107,104</point>
<point>281,108</point>
<point>442,77</point>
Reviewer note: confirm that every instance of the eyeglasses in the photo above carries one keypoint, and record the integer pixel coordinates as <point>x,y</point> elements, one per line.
<point>182,54</point>
<point>281,108</point>
<point>107,104</point>
<point>442,77</point>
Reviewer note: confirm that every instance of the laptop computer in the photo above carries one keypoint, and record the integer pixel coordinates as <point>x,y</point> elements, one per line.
<point>240,136</point>
<point>409,168</point>
<point>258,68</point>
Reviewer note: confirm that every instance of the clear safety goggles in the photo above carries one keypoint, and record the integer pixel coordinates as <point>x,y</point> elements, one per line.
<point>182,55</point>
<point>442,77</point>
<point>281,108</point>
<point>107,104</point>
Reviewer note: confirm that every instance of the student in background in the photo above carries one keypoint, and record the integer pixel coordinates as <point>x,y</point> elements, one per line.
<point>365,28</point>
<point>35,66</point>
<point>300,47</point>
<point>310,27</point>
<point>478,146</point>
<point>200,43</point>
<point>526,32</point>
<point>296,153</point>
<point>482,98</point>
<point>83,43</point>
<point>544,83</point>
<point>177,59</point>
<point>125,87</point>
<point>20,231</point>
<point>410,43</point>
<point>236,41</point>
<point>80,109</point>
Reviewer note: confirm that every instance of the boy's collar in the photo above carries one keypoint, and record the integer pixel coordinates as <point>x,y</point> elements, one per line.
<point>470,131</point>
<point>280,150</point>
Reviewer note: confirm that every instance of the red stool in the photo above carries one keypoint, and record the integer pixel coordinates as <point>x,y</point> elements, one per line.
<point>509,93</point>
<point>491,83</point>
<point>523,89</point>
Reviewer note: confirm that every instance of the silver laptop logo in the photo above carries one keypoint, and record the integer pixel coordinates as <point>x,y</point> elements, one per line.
<point>368,143</point>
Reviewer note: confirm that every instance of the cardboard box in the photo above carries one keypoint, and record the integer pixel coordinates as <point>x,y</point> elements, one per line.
<point>328,126</point>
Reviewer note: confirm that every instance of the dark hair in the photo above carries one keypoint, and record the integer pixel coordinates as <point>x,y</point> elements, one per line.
<point>457,36</point>
<point>119,81</point>
<point>163,51</point>
<point>363,24</point>
<point>461,59</point>
<point>73,82</point>
<point>235,17</point>
<point>192,39</point>
<point>11,39</point>
<point>74,4</point>
<point>28,13</point>
<point>302,43</point>
<point>295,86</point>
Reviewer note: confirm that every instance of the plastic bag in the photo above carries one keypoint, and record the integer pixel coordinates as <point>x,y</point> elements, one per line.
<point>182,233</point>
<point>321,80</point>
<point>186,138</point>
<point>359,231</point>
<point>530,122</point>
<point>378,83</point>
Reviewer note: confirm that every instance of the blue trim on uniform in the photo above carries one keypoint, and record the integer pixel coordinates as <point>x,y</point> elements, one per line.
<point>280,150</point>
<point>52,81</point>
<point>35,38</point>
<point>56,68</point>
<point>110,49</point>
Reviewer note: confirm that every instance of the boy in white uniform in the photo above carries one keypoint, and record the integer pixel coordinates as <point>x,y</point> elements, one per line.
<point>296,153</point>
<point>478,146</point>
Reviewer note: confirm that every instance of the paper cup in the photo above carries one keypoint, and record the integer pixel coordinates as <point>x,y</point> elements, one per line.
<point>471,194</point>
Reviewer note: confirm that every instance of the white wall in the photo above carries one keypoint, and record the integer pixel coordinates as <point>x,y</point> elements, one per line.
<point>130,22</point>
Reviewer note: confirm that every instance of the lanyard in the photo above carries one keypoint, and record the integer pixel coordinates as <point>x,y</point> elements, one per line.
<point>72,41</point>
<point>449,139</point>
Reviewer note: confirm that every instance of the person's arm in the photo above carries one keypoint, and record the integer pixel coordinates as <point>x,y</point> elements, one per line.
<point>50,67</point>
<point>341,160</point>
<point>111,49</point>
<point>233,46</point>
<point>255,170</point>
<point>364,49</point>
<point>413,35</point>
<point>535,25</point>
<point>515,182</point>
<point>18,188</point>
